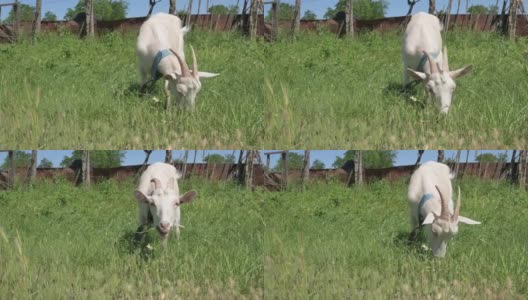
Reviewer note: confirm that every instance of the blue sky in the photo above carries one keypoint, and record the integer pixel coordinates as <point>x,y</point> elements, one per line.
<point>139,8</point>
<point>135,157</point>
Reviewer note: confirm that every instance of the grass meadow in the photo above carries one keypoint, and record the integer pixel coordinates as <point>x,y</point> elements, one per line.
<point>322,92</point>
<point>65,93</point>
<point>333,242</point>
<point>58,241</point>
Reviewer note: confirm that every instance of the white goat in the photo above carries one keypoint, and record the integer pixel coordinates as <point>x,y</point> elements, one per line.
<point>159,199</point>
<point>422,42</point>
<point>430,203</point>
<point>160,53</point>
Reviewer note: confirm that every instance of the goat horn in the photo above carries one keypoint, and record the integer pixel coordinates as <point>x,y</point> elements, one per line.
<point>184,67</point>
<point>446,63</point>
<point>457,209</point>
<point>195,63</point>
<point>432,65</point>
<point>157,183</point>
<point>170,184</point>
<point>445,209</point>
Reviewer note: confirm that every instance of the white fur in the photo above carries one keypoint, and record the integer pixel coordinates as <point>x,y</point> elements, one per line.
<point>164,31</point>
<point>423,33</point>
<point>163,204</point>
<point>423,181</point>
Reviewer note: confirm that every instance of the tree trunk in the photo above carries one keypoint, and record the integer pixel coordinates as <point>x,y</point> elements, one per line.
<point>86,167</point>
<point>432,7</point>
<point>90,19</point>
<point>240,167</point>
<point>513,169</point>
<point>284,157</point>
<point>253,19</point>
<point>349,18</point>
<point>36,20</point>
<point>457,162</point>
<point>249,169</point>
<point>168,156</point>
<point>33,167</point>
<point>275,20</point>
<point>189,13</point>
<point>306,169</point>
<point>172,7</point>
<point>358,167</point>
<point>12,169</point>
<point>522,168</point>
<point>441,156</point>
<point>296,22</point>
<point>448,15</point>
<point>185,157</point>
<point>418,159</point>
<point>512,19</point>
<point>16,22</point>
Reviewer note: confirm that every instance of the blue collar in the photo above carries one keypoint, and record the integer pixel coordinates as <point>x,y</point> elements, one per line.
<point>155,75</point>
<point>424,199</point>
<point>421,64</point>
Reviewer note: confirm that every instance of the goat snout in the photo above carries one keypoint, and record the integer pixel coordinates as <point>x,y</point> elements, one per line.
<point>164,227</point>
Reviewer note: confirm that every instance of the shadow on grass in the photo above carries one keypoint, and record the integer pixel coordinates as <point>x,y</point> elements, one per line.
<point>413,242</point>
<point>133,243</point>
<point>407,92</point>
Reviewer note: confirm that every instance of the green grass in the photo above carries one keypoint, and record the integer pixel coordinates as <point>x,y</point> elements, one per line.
<point>322,92</point>
<point>69,93</point>
<point>58,241</point>
<point>332,242</point>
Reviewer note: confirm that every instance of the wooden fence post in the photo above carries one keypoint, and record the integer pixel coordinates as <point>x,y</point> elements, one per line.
<point>249,169</point>
<point>284,157</point>
<point>306,169</point>
<point>90,18</point>
<point>523,160</point>
<point>512,18</point>
<point>275,20</point>
<point>296,21</point>
<point>16,23</point>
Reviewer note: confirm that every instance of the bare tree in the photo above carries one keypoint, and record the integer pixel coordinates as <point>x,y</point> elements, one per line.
<point>306,169</point>
<point>90,18</point>
<point>153,3</point>
<point>432,7</point>
<point>172,7</point>
<point>296,21</point>
<point>168,156</point>
<point>12,169</point>
<point>33,166</point>
<point>418,159</point>
<point>358,166</point>
<point>86,167</point>
<point>36,20</point>
<point>349,18</point>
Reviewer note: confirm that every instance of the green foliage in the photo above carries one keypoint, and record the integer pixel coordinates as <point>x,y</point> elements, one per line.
<point>80,242</point>
<point>98,158</point>
<point>88,95</point>
<point>104,9</point>
<point>219,159</point>
<point>309,15</point>
<point>49,16</point>
<point>317,165</point>
<point>333,242</point>
<point>363,9</point>
<point>220,9</point>
<point>372,159</point>
<point>490,157</point>
<point>25,13</point>
<point>45,163</point>
<point>480,9</point>
<point>286,12</point>
<point>22,160</point>
<point>295,162</point>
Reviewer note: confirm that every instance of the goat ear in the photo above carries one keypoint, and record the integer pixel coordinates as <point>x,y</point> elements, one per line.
<point>429,219</point>
<point>416,75</point>
<point>207,74</point>
<point>188,197</point>
<point>461,72</point>
<point>141,197</point>
<point>467,221</point>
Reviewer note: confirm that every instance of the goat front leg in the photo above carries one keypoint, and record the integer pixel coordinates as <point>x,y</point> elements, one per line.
<point>167,94</point>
